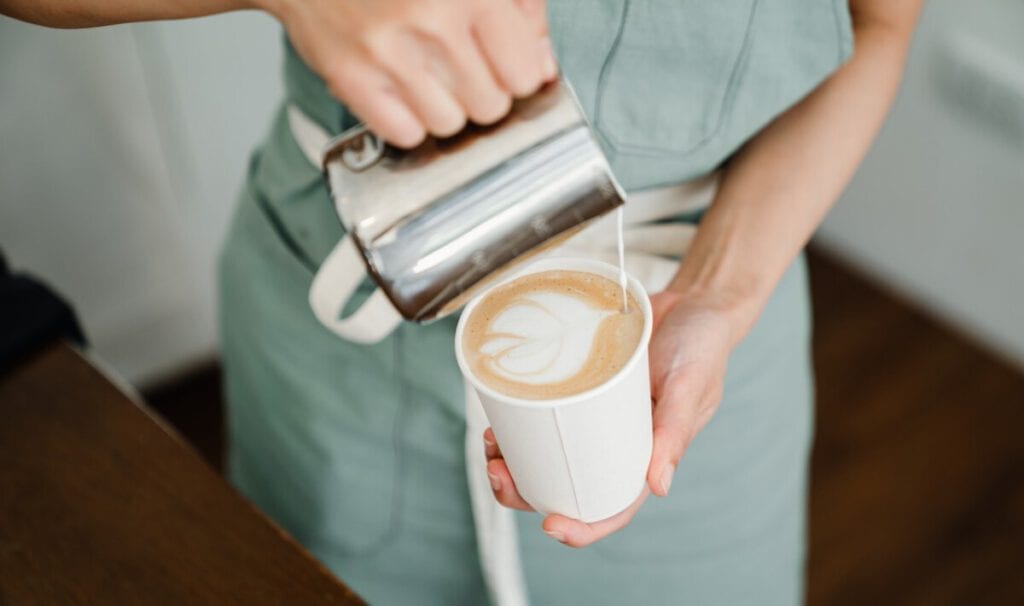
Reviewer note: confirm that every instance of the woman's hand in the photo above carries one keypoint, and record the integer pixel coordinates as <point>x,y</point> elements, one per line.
<point>688,352</point>
<point>567,530</point>
<point>412,67</point>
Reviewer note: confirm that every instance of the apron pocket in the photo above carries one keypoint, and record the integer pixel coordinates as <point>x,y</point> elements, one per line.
<point>293,195</point>
<point>313,420</point>
<point>671,74</point>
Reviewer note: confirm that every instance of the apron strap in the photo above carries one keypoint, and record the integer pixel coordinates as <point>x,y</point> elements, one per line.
<point>310,137</point>
<point>342,271</point>
<point>335,282</point>
<point>497,538</point>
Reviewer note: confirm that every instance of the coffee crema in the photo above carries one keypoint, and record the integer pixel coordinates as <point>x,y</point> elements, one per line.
<point>551,334</point>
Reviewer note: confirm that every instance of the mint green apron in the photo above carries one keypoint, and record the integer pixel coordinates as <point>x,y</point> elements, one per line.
<point>358,450</point>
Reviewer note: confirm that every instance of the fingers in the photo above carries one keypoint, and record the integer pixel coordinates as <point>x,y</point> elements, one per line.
<point>674,427</point>
<point>502,484</point>
<point>536,12</point>
<point>669,448</point>
<point>434,105</point>
<point>685,404</point>
<point>491,448</point>
<point>512,49</point>
<point>561,528</point>
<point>427,68</point>
<point>575,533</point>
<point>482,98</point>
<point>374,97</point>
<point>548,61</point>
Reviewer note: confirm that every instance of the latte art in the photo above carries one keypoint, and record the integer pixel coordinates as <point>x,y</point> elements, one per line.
<point>552,334</point>
<point>541,337</point>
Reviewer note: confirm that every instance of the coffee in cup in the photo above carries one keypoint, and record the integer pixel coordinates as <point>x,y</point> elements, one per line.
<point>552,334</point>
<point>561,373</point>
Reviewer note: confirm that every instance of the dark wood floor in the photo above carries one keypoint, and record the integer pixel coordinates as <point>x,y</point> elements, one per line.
<point>918,470</point>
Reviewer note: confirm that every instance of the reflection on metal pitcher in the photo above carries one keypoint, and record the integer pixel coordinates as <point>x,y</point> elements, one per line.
<point>435,222</point>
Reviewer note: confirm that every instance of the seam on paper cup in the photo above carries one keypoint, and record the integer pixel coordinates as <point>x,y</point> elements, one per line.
<point>568,463</point>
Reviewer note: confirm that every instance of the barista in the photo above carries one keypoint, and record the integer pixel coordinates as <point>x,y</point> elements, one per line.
<point>358,450</point>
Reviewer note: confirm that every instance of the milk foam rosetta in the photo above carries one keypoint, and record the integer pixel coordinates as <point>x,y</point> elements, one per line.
<point>551,334</point>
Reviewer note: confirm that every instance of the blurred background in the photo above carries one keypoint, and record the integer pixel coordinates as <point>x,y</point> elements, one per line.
<point>122,149</point>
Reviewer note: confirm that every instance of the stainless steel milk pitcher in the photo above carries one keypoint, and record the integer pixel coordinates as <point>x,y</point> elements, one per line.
<point>435,223</point>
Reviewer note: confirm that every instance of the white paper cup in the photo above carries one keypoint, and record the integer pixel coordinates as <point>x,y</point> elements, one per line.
<point>584,456</point>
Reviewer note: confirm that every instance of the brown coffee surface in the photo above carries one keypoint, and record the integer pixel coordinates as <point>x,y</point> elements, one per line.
<point>615,338</point>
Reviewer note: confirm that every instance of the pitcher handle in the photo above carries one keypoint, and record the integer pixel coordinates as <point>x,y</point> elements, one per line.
<point>333,285</point>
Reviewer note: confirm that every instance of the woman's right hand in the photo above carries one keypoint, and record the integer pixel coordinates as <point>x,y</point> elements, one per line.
<point>412,67</point>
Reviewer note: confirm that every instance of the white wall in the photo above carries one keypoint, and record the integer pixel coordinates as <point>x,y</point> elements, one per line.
<point>121,151</point>
<point>937,210</point>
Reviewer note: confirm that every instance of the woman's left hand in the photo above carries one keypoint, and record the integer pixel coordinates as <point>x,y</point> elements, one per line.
<point>689,351</point>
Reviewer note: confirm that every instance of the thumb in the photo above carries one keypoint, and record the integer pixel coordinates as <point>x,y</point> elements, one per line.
<point>675,423</point>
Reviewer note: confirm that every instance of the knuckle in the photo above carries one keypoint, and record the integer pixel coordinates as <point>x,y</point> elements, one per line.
<point>525,82</point>
<point>517,85</point>
<point>403,136</point>
<point>449,125</point>
<point>408,140</point>
<point>493,110</point>
<point>379,44</point>
<point>675,442</point>
<point>436,24</point>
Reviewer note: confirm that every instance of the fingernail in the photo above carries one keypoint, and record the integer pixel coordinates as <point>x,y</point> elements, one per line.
<point>549,65</point>
<point>488,442</point>
<point>666,479</point>
<point>495,481</point>
<point>554,534</point>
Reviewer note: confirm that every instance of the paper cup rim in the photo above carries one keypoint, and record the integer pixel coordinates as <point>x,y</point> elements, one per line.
<point>571,264</point>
